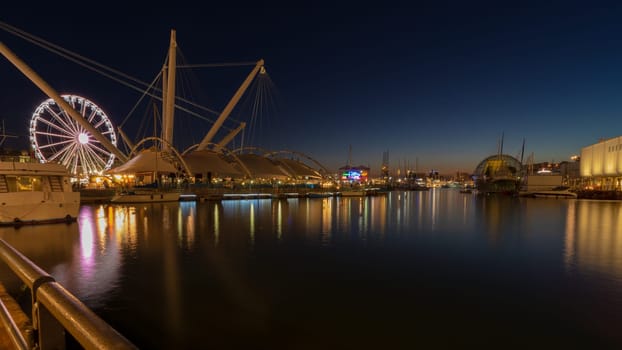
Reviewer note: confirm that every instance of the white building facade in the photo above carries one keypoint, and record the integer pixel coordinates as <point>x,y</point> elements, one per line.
<point>601,163</point>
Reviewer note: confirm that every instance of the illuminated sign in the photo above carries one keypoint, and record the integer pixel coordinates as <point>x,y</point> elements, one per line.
<point>351,175</point>
<point>354,175</point>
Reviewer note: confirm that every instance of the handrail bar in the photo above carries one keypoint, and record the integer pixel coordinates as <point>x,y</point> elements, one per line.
<point>84,325</point>
<point>81,322</point>
<point>15,335</point>
<point>25,269</point>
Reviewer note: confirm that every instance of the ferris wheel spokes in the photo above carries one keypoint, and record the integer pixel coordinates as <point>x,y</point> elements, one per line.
<point>56,136</point>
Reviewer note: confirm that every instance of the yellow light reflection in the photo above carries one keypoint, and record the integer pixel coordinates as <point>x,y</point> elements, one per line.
<point>180,228</point>
<point>593,239</point>
<point>398,211</point>
<point>363,217</point>
<point>327,219</point>
<point>379,215</point>
<point>345,208</point>
<point>435,203</point>
<point>570,234</point>
<point>120,217</point>
<point>131,229</point>
<point>279,221</point>
<point>190,229</point>
<point>166,220</point>
<point>102,220</point>
<point>216,225</point>
<point>252,224</point>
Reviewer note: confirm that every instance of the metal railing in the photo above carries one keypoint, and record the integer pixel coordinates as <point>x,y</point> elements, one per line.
<point>54,311</point>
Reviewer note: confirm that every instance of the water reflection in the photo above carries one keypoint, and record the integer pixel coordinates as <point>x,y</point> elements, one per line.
<point>216,224</point>
<point>593,241</point>
<point>46,246</point>
<point>107,233</point>
<point>501,216</point>
<point>327,221</point>
<point>187,210</point>
<point>268,269</point>
<point>85,257</point>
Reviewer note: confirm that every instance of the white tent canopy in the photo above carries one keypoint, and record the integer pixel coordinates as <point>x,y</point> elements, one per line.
<point>299,169</point>
<point>262,167</point>
<point>208,161</point>
<point>147,160</point>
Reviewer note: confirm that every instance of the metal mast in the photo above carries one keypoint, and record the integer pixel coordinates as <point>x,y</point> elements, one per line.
<point>229,137</point>
<point>234,100</point>
<point>168,100</point>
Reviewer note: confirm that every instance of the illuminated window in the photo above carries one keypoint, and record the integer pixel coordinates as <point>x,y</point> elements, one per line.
<point>23,183</point>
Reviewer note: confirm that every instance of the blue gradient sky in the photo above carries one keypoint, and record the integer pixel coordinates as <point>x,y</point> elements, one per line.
<point>436,86</point>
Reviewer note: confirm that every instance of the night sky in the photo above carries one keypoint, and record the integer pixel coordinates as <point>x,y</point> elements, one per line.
<point>435,85</point>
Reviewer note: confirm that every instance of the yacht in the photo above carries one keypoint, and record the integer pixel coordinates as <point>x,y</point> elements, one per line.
<point>36,193</point>
<point>556,192</point>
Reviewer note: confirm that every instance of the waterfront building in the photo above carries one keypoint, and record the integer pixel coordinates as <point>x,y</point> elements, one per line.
<point>570,171</point>
<point>601,164</point>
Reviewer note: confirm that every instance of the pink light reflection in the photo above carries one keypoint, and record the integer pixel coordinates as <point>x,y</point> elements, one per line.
<point>87,237</point>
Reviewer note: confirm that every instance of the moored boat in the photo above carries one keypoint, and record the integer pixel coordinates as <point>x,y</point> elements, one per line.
<point>320,194</point>
<point>557,192</point>
<point>546,185</point>
<point>353,193</point>
<point>146,196</point>
<point>36,193</point>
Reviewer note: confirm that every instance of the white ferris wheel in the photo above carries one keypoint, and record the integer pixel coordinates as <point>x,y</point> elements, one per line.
<point>56,137</point>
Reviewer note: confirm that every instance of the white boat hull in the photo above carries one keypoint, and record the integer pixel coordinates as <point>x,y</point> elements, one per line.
<point>549,194</point>
<point>39,207</point>
<point>36,193</point>
<point>554,194</point>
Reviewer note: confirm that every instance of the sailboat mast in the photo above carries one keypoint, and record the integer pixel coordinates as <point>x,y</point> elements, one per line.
<point>157,152</point>
<point>168,104</point>
<point>259,68</point>
<point>522,152</point>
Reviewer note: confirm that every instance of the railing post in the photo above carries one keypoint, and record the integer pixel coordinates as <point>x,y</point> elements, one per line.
<point>51,332</point>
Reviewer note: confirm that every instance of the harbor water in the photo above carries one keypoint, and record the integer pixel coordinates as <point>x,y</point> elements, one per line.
<point>420,269</point>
